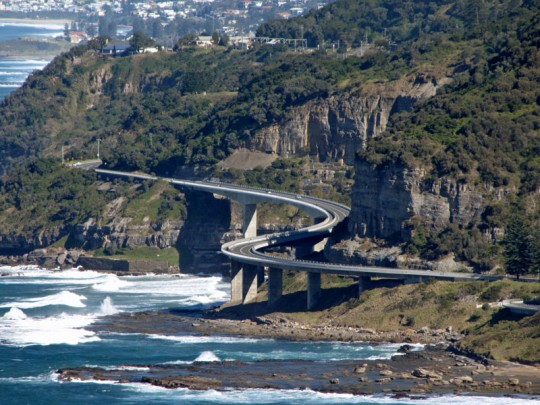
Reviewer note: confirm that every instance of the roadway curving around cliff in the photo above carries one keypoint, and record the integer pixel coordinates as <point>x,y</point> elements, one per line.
<point>326,214</point>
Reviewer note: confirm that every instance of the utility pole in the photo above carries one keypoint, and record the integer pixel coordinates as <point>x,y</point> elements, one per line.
<point>98,141</point>
<point>62,154</point>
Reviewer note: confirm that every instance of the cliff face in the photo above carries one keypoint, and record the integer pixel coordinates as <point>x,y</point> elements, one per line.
<point>335,128</point>
<point>122,234</point>
<point>387,201</point>
<point>16,243</point>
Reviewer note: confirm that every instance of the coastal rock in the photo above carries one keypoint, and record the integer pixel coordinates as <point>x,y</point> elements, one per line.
<point>121,232</point>
<point>17,243</point>
<point>513,381</point>
<point>462,380</point>
<point>335,127</point>
<point>388,199</point>
<point>425,373</point>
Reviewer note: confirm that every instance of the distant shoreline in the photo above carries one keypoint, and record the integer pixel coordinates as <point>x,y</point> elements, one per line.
<point>34,21</point>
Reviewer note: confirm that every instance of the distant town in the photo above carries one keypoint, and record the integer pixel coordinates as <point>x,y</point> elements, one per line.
<point>162,20</point>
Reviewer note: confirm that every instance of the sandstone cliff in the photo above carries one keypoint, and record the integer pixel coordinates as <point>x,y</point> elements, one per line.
<point>334,128</point>
<point>388,201</point>
<point>123,234</point>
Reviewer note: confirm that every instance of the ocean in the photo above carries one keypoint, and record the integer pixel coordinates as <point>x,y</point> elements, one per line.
<point>14,70</point>
<point>45,319</point>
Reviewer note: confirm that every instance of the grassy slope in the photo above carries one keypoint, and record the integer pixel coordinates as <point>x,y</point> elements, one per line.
<point>489,331</point>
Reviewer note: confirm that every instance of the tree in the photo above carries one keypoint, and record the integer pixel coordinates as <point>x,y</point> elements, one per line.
<point>516,242</point>
<point>215,38</point>
<point>534,251</point>
<point>157,28</point>
<point>140,41</point>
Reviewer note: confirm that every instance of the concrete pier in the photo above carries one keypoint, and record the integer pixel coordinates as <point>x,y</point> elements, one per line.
<point>249,224</point>
<point>243,282</point>
<point>415,280</point>
<point>363,284</point>
<point>275,285</point>
<point>313,289</point>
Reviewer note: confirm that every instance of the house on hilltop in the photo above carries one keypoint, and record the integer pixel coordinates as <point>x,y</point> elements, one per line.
<point>116,48</point>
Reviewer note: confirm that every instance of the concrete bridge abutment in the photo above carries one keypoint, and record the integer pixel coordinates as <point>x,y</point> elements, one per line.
<point>249,223</point>
<point>363,284</point>
<point>313,289</point>
<point>244,282</point>
<point>275,285</point>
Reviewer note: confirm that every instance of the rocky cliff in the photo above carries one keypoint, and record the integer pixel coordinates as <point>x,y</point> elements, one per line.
<point>121,233</point>
<point>388,201</point>
<point>18,243</point>
<point>334,128</point>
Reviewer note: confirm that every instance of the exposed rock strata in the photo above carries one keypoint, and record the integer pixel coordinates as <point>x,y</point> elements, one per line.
<point>388,201</point>
<point>122,233</point>
<point>17,243</point>
<point>334,128</point>
<point>364,252</point>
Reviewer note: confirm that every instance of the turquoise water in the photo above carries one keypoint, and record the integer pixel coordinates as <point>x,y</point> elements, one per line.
<point>44,325</point>
<point>13,71</point>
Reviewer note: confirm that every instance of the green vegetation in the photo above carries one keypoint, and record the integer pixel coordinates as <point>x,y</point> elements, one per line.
<point>521,247</point>
<point>157,202</point>
<point>169,255</point>
<point>33,48</point>
<point>505,337</point>
<point>45,194</point>
<point>489,330</point>
<point>194,107</point>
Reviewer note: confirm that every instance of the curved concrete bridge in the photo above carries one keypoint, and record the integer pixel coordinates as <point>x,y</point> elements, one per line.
<point>248,261</point>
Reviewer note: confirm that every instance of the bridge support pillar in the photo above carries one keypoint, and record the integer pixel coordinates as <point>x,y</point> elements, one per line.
<point>243,282</point>
<point>313,289</point>
<point>260,275</point>
<point>413,280</point>
<point>275,285</point>
<point>249,224</point>
<point>363,284</point>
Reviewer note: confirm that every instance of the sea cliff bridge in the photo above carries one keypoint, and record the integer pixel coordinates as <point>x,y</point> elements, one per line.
<point>249,261</point>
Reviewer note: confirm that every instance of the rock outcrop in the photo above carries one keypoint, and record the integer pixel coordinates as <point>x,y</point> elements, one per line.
<point>19,243</point>
<point>388,201</point>
<point>122,233</point>
<point>334,128</point>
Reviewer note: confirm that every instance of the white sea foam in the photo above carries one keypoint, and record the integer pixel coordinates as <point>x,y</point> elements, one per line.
<point>207,356</point>
<point>67,329</point>
<point>107,307</point>
<point>213,287</point>
<point>111,284</point>
<point>120,367</point>
<point>208,339</point>
<point>307,397</point>
<point>11,62</point>
<point>66,298</point>
<point>33,24</point>
<point>14,314</point>
<point>36,275</point>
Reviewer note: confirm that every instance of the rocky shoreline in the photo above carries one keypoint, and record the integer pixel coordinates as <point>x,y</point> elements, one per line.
<point>437,369</point>
<point>60,258</point>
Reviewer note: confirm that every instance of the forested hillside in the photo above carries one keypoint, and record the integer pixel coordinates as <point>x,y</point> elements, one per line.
<point>447,87</point>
